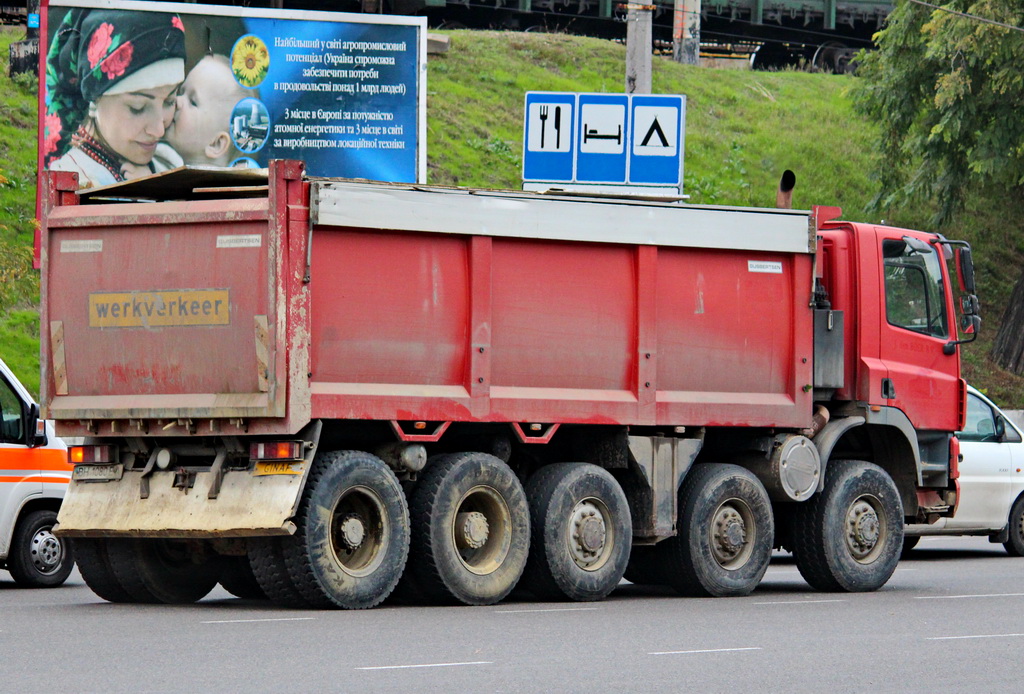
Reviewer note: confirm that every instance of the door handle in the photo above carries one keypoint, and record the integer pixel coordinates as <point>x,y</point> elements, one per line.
<point>888,389</point>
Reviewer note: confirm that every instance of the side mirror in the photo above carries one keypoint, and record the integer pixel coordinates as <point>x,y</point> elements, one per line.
<point>35,428</point>
<point>970,325</point>
<point>1000,427</point>
<point>965,269</point>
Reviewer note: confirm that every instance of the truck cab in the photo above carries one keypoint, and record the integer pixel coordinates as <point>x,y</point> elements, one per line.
<point>34,474</point>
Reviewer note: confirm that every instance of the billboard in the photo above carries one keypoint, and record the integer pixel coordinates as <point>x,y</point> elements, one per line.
<point>133,88</point>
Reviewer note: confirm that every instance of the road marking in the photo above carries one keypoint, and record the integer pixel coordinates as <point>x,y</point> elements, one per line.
<point>960,597</point>
<point>976,636</point>
<point>250,621</point>
<point>405,667</point>
<point>549,609</point>
<point>707,650</point>
<point>796,602</point>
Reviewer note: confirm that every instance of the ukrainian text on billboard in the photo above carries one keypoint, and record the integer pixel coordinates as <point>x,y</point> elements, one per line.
<point>136,88</point>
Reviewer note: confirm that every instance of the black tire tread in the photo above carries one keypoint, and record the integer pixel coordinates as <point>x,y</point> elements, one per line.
<point>298,560</point>
<point>684,577</point>
<point>1014,544</point>
<point>238,579</point>
<point>94,565</point>
<point>809,541</point>
<point>424,554</point>
<point>267,563</point>
<point>551,580</point>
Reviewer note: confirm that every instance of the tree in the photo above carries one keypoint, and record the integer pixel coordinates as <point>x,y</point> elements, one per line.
<point>946,90</point>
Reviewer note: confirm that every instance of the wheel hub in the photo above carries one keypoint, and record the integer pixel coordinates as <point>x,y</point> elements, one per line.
<point>863,528</point>
<point>47,551</point>
<point>472,530</point>
<point>730,532</point>
<point>352,531</point>
<point>588,534</point>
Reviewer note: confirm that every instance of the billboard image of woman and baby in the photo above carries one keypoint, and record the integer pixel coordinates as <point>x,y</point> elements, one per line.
<point>148,87</point>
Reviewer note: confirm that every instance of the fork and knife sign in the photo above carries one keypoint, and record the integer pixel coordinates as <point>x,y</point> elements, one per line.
<point>544,110</point>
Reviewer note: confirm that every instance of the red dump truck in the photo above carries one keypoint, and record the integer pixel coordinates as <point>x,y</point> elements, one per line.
<point>319,390</point>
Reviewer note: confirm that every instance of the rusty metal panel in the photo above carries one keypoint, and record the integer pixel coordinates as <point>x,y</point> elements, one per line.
<point>246,505</point>
<point>177,311</point>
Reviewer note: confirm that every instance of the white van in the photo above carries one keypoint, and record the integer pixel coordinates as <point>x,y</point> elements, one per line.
<point>34,474</point>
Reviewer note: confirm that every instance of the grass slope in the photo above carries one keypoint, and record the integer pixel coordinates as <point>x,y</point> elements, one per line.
<point>743,129</point>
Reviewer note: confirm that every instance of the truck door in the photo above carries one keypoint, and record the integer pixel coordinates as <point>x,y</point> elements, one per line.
<point>915,325</point>
<point>18,480</point>
<point>985,475</point>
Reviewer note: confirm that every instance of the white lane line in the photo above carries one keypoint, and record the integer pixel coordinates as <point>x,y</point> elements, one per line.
<point>796,602</point>
<point>975,636</point>
<point>406,667</point>
<point>250,621</point>
<point>549,609</point>
<point>963,597</point>
<point>706,650</point>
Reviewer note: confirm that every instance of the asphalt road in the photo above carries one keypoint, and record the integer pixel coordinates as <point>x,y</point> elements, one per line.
<point>950,620</point>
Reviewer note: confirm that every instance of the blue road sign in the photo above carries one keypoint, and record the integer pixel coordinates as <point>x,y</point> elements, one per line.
<point>601,138</point>
<point>610,139</point>
<point>656,142</point>
<point>548,147</point>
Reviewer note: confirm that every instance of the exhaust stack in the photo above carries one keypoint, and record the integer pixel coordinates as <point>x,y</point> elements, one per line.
<point>784,197</point>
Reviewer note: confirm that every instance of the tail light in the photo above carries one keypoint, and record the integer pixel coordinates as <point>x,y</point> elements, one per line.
<point>89,455</point>
<point>954,458</point>
<point>276,450</point>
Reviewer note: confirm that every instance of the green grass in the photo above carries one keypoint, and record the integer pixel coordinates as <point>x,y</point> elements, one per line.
<point>742,130</point>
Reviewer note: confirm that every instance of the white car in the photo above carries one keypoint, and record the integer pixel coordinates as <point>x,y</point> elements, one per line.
<point>34,474</point>
<point>991,481</point>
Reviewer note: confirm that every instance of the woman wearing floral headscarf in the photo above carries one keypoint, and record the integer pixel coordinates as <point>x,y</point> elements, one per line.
<point>111,81</point>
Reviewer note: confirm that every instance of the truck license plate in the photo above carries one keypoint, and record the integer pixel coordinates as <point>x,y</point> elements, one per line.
<point>275,468</point>
<point>101,473</point>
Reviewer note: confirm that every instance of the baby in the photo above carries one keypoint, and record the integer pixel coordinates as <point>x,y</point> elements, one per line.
<point>199,132</point>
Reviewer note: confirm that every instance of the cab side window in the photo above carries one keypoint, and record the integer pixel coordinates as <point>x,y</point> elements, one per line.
<point>10,415</point>
<point>913,289</point>
<point>981,421</point>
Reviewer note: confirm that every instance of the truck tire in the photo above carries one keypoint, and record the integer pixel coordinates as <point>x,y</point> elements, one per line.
<point>849,537</point>
<point>1015,543</point>
<point>94,565</point>
<point>725,533</point>
<point>162,571</point>
<point>237,578</point>
<point>38,558</point>
<point>581,533</point>
<point>352,537</point>
<point>480,562</point>
<point>266,559</point>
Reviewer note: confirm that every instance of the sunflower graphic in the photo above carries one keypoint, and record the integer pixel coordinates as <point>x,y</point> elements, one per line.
<point>250,60</point>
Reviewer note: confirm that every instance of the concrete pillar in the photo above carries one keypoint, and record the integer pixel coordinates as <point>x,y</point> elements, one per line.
<point>686,32</point>
<point>638,48</point>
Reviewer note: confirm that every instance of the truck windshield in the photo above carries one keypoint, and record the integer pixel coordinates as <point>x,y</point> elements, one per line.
<point>913,289</point>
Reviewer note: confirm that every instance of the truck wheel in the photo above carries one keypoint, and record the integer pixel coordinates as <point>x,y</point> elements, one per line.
<point>38,558</point>
<point>1015,544</point>
<point>237,578</point>
<point>581,532</point>
<point>266,560</point>
<point>725,533</point>
<point>849,537</point>
<point>162,571</point>
<point>352,537</point>
<point>94,565</point>
<point>471,530</point>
